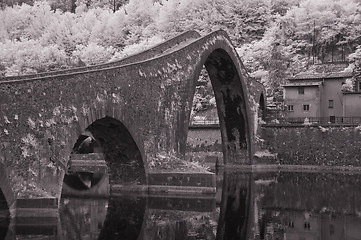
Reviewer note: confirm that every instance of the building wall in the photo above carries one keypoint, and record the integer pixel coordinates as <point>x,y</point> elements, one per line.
<point>318,97</point>
<point>352,103</point>
<point>332,91</point>
<point>311,97</point>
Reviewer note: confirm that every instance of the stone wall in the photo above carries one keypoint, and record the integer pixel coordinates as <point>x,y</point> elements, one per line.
<point>204,140</point>
<point>316,145</point>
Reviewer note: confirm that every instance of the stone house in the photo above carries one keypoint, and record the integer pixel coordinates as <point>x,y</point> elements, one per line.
<point>319,97</point>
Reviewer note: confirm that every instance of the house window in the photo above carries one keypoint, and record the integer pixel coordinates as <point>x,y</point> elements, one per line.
<point>330,103</point>
<point>290,107</point>
<point>306,107</point>
<point>301,90</point>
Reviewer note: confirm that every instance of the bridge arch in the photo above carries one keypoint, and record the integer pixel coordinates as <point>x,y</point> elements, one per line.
<point>124,158</point>
<point>228,76</point>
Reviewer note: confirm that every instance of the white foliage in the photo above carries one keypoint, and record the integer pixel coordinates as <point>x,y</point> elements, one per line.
<point>93,53</point>
<point>136,48</point>
<point>37,38</point>
<point>29,56</point>
<point>348,86</point>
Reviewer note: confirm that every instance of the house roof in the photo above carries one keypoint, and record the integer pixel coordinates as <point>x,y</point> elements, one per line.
<point>314,76</point>
<point>302,84</point>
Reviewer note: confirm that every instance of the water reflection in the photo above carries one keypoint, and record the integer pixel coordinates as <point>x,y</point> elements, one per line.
<point>236,196</point>
<point>124,218</point>
<point>181,218</point>
<point>138,217</point>
<point>261,205</point>
<point>82,218</point>
<point>4,216</point>
<point>4,225</point>
<point>308,206</point>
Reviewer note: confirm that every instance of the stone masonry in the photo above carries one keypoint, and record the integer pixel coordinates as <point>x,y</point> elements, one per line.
<point>142,103</point>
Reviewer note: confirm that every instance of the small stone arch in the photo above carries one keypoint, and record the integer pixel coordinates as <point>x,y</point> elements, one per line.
<point>224,69</point>
<point>109,110</point>
<point>124,157</point>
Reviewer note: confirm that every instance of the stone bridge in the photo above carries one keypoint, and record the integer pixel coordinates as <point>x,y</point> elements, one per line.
<point>131,110</point>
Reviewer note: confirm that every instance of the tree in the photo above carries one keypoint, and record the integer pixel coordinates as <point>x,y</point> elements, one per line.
<point>29,56</point>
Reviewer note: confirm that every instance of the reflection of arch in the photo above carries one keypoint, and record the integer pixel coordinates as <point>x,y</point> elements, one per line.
<point>4,216</point>
<point>3,205</point>
<point>236,206</point>
<point>5,188</point>
<point>82,218</point>
<point>73,186</point>
<point>224,69</point>
<point>114,218</point>
<point>6,202</point>
<point>125,218</point>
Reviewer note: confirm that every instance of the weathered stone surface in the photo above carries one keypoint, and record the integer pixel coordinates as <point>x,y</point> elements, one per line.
<point>143,106</point>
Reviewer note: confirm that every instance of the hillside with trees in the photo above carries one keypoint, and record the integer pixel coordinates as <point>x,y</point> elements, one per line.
<point>274,38</point>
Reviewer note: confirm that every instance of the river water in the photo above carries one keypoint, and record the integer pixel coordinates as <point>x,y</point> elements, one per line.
<point>248,205</point>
